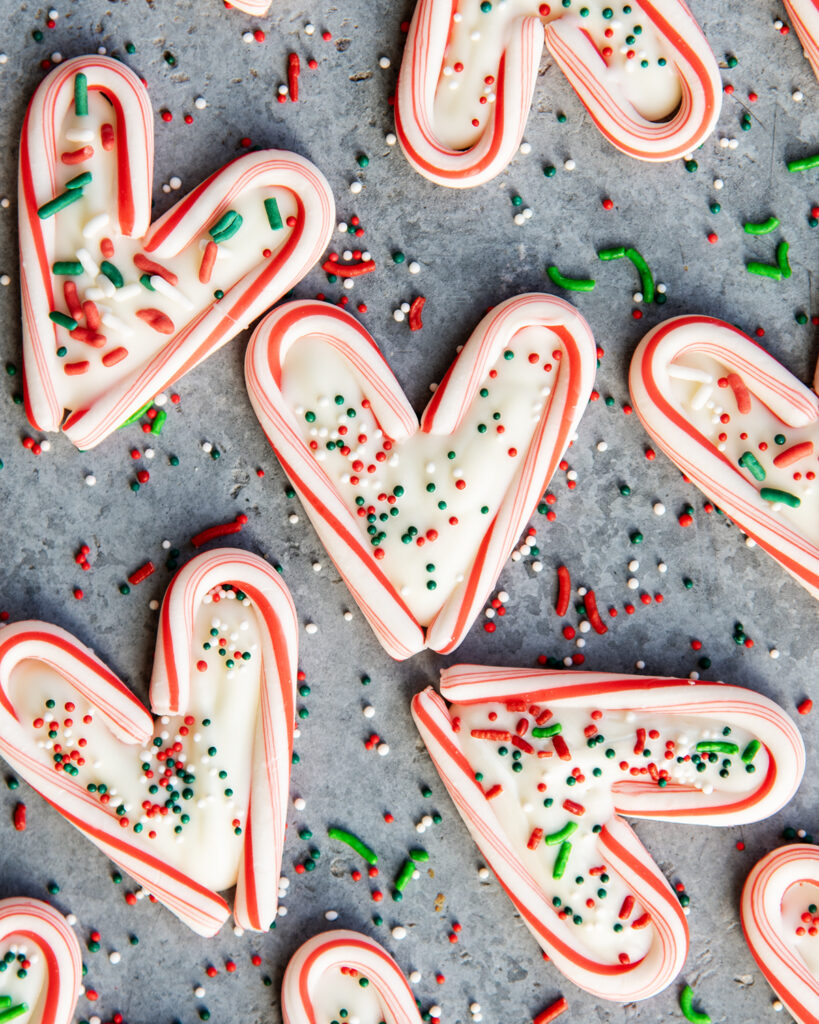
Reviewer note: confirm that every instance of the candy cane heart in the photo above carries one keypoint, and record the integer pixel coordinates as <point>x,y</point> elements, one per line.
<point>741,427</point>
<point>648,79</point>
<point>780,922</point>
<point>420,519</point>
<point>326,973</point>
<point>196,803</point>
<point>541,765</point>
<point>116,309</point>
<point>804,16</point>
<point>46,992</point>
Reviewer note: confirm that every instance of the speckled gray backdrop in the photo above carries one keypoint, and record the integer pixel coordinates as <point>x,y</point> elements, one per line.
<point>472,255</point>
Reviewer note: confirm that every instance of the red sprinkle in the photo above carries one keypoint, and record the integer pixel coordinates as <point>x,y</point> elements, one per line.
<point>564,584</point>
<point>20,817</point>
<point>415,322</point>
<point>222,530</point>
<point>805,707</point>
<point>552,1012</point>
<point>144,571</point>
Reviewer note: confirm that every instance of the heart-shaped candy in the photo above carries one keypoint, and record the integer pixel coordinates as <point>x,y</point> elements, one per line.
<point>420,518</point>
<point>116,308</point>
<point>42,967</point>
<point>781,925</point>
<point>646,76</point>
<point>197,802</point>
<point>344,975</point>
<point>741,427</point>
<point>541,765</point>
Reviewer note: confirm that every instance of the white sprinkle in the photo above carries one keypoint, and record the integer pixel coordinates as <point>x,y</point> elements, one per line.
<point>153,605</point>
<point>435,1011</point>
<point>503,596</point>
<point>569,165</point>
<point>311,628</point>
<point>5,280</point>
<point>632,583</point>
<point>299,803</point>
<point>483,873</point>
<point>718,183</point>
<point>342,227</point>
<point>174,294</point>
<point>383,749</point>
<point>415,267</point>
<point>53,14</point>
<point>582,591</point>
<point>678,371</point>
<point>797,96</point>
<point>368,711</point>
<point>661,288</point>
<point>490,613</point>
<point>199,992</point>
<point>114,957</point>
<point>658,508</point>
<point>637,297</point>
<point>777,1006</point>
<point>71,918</point>
<point>584,626</point>
<point>90,479</point>
<point>45,446</point>
<point>281,911</point>
<point>207,447</point>
<point>391,138</point>
<point>5,202</point>
<point>166,545</point>
<point>292,518</point>
<point>247,37</point>
<point>773,653</point>
<point>639,665</point>
<point>399,932</point>
<point>384,62</point>
<point>3,58</point>
<point>330,915</point>
<point>200,102</point>
<point>633,565</point>
<point>602,446</point>
<point>88,263</point>
<point>405,307</point>
<point>283,90</point>
<point>415,976</point>
<point>662,567</point>
<point>537,566</point>
<point>161,399</point>
<point>175,183</point>
<point>309,29</point>
<point>347,616</point>
<point>474,1007</point>
<point>56,57</point>
<point>526,148</point>
<point>356,187</point>
<point>398,315</point>
<point>750,542</point>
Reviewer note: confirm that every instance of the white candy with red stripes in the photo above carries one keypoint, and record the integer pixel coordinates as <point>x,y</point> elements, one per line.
<point>46,990</point>
<point>647,77</point>
<point>324,976</point>
<point>541,765</point>
<point>804,16</point>
<point>115,308</point>
<point>257,7</point>
<point>741,427</point>
<point>421,518</point>
<point>194,803</point>
<point>781,925</point>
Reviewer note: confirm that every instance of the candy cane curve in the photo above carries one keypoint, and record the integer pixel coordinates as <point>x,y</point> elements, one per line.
<point>201,909</point>
<point>209,327</point>
<point>761,911</point>
<point>41,925</point>
<point>306,976</point>
<point>596,85</point>
<point>257,7</point>
<point>471,685</point>
<point>804,15</point>
<point>333,519</point>
<point>697,456</point>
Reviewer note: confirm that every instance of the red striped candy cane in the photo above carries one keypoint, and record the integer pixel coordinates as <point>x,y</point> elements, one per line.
<point>766,932</point>
<point>548,324</point>
<point>686,369</point>
<point>174,672</point>
<point>655,700</point>
<point>804,15</point>
<point>27,923</point>
<point>152,311</point>
<point>257,7</point>
<point>498,93</point>
<point>315,966</point>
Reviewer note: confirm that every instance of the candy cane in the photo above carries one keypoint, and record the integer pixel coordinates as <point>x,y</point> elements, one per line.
<point>174,672</point>
<point>804,15</point>
<point>257,7</point>
<point>314,968</point>
<point>29,922</point>
<point>537,702</point>
<point>774,950</point>
<point>698,385</point>
<point>491,59</point>
<point>538,332</point>
<point>115,310</point>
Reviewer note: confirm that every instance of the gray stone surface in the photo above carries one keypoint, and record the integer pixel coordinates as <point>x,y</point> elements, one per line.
<point>472,255</point>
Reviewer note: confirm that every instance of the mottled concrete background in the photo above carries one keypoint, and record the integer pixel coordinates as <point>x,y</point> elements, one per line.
<point>472,255</point>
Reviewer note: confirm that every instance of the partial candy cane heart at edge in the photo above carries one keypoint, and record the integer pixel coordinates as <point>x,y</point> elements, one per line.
<point>306,974</point>
<point>380,601</point>
<point>42,926</point>
<point>804,15</point>
<point>516,77</point>
<point>697,457</point>
<point>209,327</point>
<point>761,910</point>
<point>201,909</point>
<point>472,684</point>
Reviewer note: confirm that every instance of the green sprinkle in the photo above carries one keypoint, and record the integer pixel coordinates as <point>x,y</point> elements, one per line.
<point>80,95</point>
<point>549,171</point>
<point>354,842</point>
<point>764,270</point>
<point>646,278</point>
<point>750,752</point>
<point>79,180</point>
<point>403,879</point>
<point>13,1011</point>
<point>67,268</point>
<point>764,227</point>
<point>59,203</point>
<point>62,320</point>
<point>783,497</point>
<point>419,856</point>
<point>398,257</point>
<point>571,284</point>
<point>112,273</point>
<point>687,1007</point>
<point>562,860</point>
<point>805,164</point>
<point>158,420</point>
<point>545,731</point>
<point>782,258</point>
<point>561,835</point>
<point>226,227</point>
<point>274,218</point>
<point>617,253</point>
<point>750,462</point>
<point>691,166</point>
<point>716,747</point>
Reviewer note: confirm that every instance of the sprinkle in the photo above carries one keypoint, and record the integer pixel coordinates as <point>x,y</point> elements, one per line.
<point>782,258</point>
<point>361,848</point>
<point>687,1007</point>
<point>226,227</point>
<point>274,218</point>
<point>59,203</point>
<point>561,835</point>
<point>805,164</point>
<point>552,1012</point>
<point>564,584</point>
<point>562,859</point>
<point>141,574</point>
<point>750,462</point>
<point>415,321</point>
<point>805,707</point>
<point>783,497</point>
<point>62,320</point>
<point>765,227</point>
<point>793,454</point>
<point>764,270</point>
<point>590,604</point>
<point>80,95</point>
<point>156,319</point>
<point>153,269</point>
<point>572,284</point>
<point>750,752</point>
<point>20,817</point>
<point>221,530</point>
<point>717,747</point>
